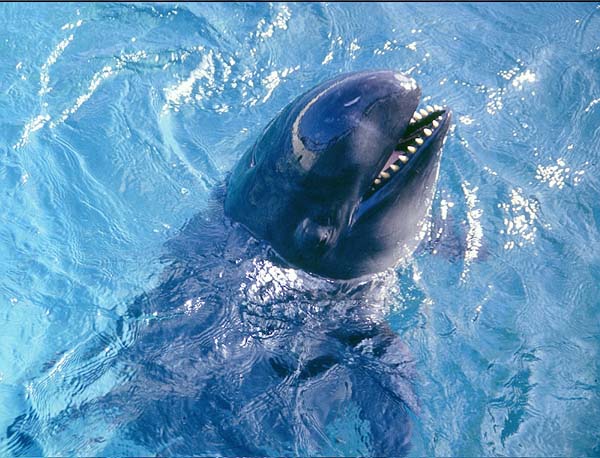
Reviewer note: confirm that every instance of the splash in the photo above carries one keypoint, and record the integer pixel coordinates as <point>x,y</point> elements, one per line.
<point>268,281</point>
<point>208,79</point>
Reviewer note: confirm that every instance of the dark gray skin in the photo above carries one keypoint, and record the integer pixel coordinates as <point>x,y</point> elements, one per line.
<point>304,185</point>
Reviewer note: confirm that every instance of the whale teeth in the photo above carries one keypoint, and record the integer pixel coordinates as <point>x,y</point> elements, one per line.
<point>427,119</point>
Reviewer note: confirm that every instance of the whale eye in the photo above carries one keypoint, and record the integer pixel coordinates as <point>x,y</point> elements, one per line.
<point>313,237</point>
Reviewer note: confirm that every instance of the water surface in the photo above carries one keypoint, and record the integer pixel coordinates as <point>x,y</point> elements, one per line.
<point>119,121</point>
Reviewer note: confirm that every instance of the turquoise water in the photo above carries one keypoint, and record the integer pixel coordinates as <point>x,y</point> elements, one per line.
<point>119,121</point>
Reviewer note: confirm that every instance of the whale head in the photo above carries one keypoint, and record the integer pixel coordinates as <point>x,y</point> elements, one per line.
<point>341,181</point>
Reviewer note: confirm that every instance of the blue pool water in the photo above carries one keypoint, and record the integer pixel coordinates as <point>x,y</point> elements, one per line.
<point>118,122</point>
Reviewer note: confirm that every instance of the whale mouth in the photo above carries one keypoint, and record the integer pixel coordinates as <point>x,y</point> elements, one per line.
<point>424,127</point>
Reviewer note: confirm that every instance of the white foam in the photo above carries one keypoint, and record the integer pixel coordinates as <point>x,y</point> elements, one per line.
<point>266,30</point>
<point>35,124</point>
<point>526,77</point>
<point>519,222</point>
<point>273,79</point>
<point>466,120</point>
<point>50,61</point>
<point>353,48</point>
<point>591,105</point>
<point>181,92</point>
<point>475,233</point>
<point>98,78</point>
<point>328,58</point>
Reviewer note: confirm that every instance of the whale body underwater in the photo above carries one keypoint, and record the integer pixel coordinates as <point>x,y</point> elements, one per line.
<point>267,332</point>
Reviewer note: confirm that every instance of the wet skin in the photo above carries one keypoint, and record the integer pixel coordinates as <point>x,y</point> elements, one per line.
<point>341,181</point>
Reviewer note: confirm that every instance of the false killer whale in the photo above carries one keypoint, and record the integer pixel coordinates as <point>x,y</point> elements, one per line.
<point>240,350</point>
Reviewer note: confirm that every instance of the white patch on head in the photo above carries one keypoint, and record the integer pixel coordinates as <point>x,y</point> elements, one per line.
<point>306,157</point>
<point>352,102</point>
